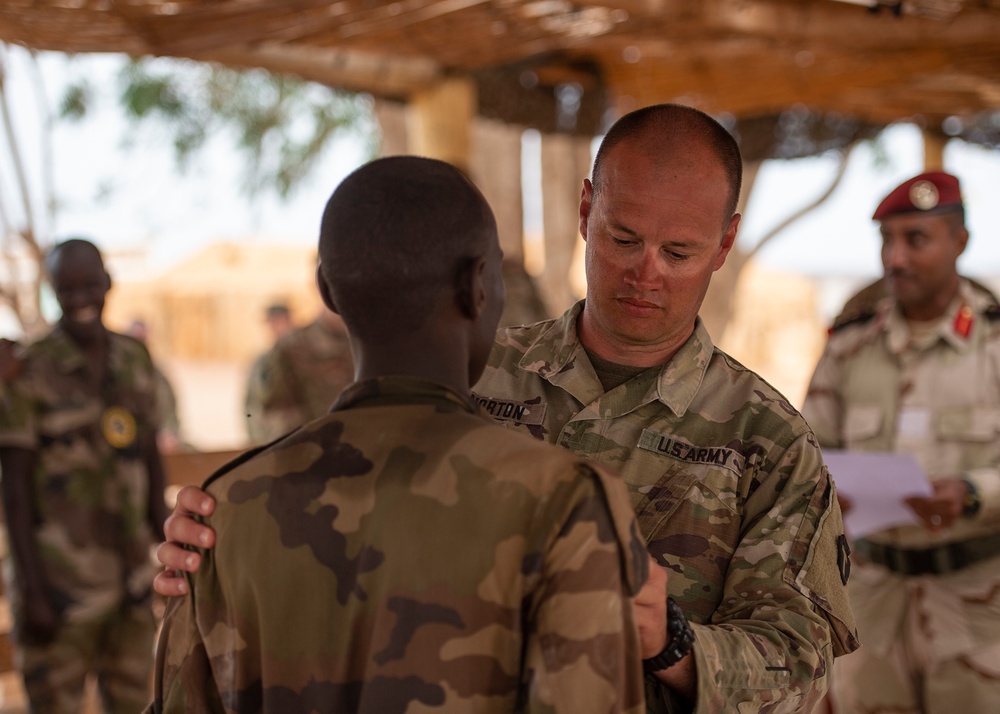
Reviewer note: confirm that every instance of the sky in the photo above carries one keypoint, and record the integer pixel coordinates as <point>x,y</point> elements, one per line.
<point>132,199</point>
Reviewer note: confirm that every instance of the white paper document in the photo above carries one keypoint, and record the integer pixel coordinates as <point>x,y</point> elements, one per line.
<point>876,484</point>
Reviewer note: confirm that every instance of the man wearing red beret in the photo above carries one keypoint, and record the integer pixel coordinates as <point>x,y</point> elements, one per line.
<point>917,371</point>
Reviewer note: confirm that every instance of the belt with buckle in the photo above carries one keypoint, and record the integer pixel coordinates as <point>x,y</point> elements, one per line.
<point>941,559</point>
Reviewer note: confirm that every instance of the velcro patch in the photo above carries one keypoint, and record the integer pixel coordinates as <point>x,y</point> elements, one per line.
<point>682,451</point>
<point>519,412</point>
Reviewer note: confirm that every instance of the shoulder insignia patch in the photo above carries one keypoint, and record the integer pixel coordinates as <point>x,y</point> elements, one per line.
<point>843,558</point>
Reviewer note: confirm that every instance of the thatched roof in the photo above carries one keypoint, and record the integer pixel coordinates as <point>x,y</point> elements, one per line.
<point>927,58</point>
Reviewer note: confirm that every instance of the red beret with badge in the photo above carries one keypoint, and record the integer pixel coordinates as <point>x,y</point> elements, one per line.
<point>929,192</point>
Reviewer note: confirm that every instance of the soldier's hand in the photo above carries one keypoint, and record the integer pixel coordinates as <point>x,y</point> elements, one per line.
<point>181,529</point>
<point>40,619</point>
<point>651,611</point>
<point>10,363</point>
<point>939,510</point>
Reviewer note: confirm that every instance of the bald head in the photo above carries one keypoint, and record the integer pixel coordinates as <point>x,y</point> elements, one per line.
<point>668,132</point>
<point>394,236</point>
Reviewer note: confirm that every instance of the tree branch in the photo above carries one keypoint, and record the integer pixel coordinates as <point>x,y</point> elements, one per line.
<point>805,210</point>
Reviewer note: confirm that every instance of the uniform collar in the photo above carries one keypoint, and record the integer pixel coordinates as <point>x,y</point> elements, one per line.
<point>557,356</point>
<point>954,327</point>
<point>385,391</point>
<point>67,355</point>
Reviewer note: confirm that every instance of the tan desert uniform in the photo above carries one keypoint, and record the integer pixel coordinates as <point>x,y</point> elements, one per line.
<point>406,554</point>
<point>731,495</point>
<point>92,530</point>
<point>939,400</point>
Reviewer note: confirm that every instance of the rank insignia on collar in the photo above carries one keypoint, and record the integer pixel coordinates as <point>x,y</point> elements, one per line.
<point>963,322</point>
<point>118,426</point>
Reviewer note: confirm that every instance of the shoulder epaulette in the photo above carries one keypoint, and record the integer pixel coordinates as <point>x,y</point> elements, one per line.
<point>237,461</point>
<point>844,319</point>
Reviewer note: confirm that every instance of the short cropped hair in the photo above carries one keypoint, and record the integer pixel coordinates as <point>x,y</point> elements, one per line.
<point>664,127</point>
<point>394,235</point>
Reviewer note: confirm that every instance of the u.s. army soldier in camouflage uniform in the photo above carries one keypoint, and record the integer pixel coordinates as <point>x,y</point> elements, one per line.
<point>300,377</point>
<point>404,553</point>
<point>726,478</point>
<point>83,497</point>
<point>918,372</point>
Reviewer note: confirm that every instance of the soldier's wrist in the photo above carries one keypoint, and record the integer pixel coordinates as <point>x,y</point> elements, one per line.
<point>680,641</point>
<point>972,503</point>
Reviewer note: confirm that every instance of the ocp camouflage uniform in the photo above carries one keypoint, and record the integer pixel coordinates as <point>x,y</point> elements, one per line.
<point>731,494</point>
<point>91,529</point>
<point>404,554</point>
<point>934,602</point>
<point>298,379</point>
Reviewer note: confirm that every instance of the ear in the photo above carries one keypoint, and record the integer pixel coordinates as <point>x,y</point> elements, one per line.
<point>107,281</point>
<point>324,291</point>
<point>586,200</point>
<point>728,239</point>
<point>961,240</point>
<point>470,290</point>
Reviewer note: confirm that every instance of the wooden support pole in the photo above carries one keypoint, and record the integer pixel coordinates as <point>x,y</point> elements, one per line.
<point>440,121</point>
<point>392,123</point>
<point>934,143</point>
<point>565,164</point>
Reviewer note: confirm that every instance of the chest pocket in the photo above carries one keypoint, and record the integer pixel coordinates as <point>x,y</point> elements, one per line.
<point>968,423</point>
<point>862,423</point>
<point>690,519</point>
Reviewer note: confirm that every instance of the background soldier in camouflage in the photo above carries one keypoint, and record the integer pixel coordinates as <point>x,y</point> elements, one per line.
<point>279,322</point>
<point>405,552</point>
<point>83,498</point>
<point>919,373</point>
<point>301,376</point>
<point>725,476</point>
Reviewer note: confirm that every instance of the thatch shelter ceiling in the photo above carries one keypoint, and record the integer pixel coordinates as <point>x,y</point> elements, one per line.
<point>878,60</point>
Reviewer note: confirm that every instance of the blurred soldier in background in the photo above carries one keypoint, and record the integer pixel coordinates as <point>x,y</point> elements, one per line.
<point>917,371</point>
<point>300,377</point>
<point>278,318</point>
<point>83,498</point>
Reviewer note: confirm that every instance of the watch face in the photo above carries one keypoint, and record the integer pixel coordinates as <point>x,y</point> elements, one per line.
<point>972,502</point>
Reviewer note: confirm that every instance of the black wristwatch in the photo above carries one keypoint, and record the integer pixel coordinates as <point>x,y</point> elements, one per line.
<point>972,502</point>
<point>680,640</point>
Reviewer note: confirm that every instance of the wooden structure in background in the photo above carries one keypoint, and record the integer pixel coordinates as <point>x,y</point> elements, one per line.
<point>891,60</point>
<point>460,79</point>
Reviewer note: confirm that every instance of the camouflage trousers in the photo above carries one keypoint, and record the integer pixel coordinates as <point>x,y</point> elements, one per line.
<point>929,645</point>
<point>117,650</point>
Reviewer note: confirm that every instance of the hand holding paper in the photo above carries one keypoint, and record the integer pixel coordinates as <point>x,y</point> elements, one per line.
<point>878,486</point>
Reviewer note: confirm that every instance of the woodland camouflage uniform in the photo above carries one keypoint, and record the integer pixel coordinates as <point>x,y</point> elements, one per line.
<point>731,495</point>
<point>405,554</point>
<point>92,531</point>
<point>298,379</point>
